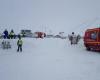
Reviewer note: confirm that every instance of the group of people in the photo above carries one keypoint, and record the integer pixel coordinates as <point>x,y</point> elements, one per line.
<point>6,44</point>
<point>7,35</point>
<point>74,39</point>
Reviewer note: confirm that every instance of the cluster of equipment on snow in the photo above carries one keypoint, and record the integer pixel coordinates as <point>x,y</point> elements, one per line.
<point>5,44</point>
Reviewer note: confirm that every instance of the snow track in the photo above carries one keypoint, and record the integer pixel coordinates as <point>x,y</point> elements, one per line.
<point>49,59</point>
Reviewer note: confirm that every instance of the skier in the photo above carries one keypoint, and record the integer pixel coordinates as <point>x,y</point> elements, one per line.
<point>19,44</point>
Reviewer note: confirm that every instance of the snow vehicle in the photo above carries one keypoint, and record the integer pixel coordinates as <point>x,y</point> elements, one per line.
<point>26,33</point>
<point>49,36</point>
<point>92,39</point>
<point>61,35</point>
<point>40,34</point>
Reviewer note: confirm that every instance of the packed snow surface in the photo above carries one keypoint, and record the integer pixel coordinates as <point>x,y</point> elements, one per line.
<point>49,59</point>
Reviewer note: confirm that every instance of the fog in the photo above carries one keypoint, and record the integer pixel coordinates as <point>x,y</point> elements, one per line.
<point>49,15</point>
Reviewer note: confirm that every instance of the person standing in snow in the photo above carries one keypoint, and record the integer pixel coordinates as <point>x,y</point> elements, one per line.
<point>73,38</point>
<point>12,34</point>
<point>5,34</point>
<point>19,44</point>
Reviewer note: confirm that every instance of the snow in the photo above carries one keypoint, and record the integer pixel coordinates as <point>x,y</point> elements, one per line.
<point>49,59</point>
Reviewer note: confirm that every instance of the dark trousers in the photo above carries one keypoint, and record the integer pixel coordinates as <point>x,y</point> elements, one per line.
<point>19,48</point>
<point>6,37</point>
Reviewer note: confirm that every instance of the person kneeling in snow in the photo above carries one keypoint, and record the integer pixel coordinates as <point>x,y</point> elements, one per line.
<point>19,44</point>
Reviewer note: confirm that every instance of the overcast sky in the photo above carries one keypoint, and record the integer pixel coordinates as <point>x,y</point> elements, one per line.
<point>55,15</point>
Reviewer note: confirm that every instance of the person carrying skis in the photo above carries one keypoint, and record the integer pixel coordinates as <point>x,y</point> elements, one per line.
<point>19,44</point>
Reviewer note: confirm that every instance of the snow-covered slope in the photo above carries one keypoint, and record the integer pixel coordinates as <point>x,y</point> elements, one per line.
<point>49,59</point>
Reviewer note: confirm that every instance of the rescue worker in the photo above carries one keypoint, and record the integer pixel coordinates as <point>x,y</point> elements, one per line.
<point>5,34</point>
<point>12,35</point>
<point>73,38</point>
<point>19,44</point>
